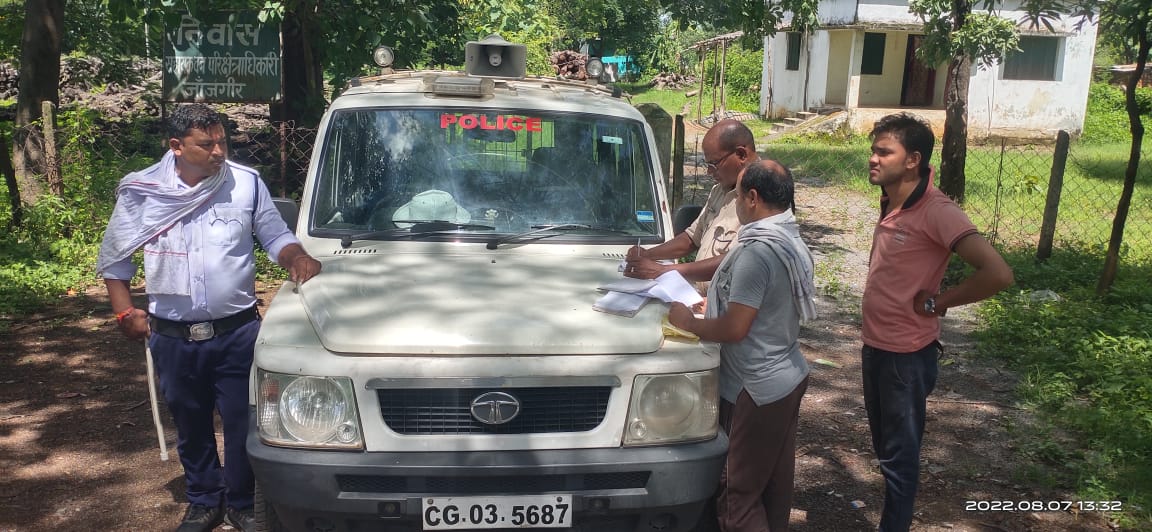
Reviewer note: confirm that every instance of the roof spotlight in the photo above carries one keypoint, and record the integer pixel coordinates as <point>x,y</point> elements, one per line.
<point>383,56</point>
<point>594,67</point>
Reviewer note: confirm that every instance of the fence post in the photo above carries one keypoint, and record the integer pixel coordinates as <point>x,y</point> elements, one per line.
<point>51,160</point>
<point>1052,205</point>
<point>283,159</point>
<point>9,172</point>
<point>677,191</point>
<point>662,128</point>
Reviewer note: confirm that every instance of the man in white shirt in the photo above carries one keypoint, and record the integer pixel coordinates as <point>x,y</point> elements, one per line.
<point>194,213</point>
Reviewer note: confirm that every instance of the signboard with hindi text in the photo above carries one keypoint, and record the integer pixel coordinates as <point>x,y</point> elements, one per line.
<point>222,57</point>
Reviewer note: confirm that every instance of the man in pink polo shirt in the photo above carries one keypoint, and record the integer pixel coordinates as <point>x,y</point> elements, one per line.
<point>919,229</point>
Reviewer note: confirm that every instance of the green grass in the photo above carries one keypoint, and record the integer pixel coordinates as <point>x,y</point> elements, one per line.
<point>1007,200</point>
<point>760,128</point>
<point>1086,361</point>
<point>672,101</point>
<point>1086,364</point>
<point>839,161</point>
<point>1006,192</point>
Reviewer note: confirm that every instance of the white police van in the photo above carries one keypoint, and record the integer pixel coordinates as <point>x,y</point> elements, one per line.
<point>447,370</point>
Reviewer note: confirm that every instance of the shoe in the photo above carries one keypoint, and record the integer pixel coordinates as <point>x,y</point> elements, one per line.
<point>242,520</point>
<point>200,518</point>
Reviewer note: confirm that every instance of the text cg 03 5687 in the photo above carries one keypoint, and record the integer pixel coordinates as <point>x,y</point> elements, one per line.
<point>536,511</point>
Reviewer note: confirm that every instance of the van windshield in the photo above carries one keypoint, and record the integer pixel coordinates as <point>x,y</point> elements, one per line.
<point>483,172</point>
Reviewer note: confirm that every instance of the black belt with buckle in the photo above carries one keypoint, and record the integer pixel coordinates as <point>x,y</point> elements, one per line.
<point>204,330</point>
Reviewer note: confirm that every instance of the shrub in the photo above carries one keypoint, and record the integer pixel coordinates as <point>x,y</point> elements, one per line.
<point>742,74</point>
<point>1106,118</point>
<point>1087,363</point>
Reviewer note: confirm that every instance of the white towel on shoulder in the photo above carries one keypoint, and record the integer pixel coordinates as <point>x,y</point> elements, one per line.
<point>149,207</point>
<point>782,234</point>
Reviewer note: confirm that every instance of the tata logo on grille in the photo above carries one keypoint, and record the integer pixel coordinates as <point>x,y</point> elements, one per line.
<point>495,408</point>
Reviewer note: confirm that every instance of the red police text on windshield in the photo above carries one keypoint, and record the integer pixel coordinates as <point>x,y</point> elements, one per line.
<point>471,121</point>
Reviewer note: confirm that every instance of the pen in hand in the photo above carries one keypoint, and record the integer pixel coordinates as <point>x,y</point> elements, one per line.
<point>634,253</point>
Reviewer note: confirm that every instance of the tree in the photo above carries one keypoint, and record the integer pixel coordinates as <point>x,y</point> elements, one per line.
<point>627,26</point>
<point>756,18</point>
<point>956,35</point>
<point>1130,21</point>
<point>39,82</point>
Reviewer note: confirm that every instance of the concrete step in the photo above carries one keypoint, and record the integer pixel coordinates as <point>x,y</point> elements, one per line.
<point>827,110</point>
<point>806,115</point>
<point>794,120</point>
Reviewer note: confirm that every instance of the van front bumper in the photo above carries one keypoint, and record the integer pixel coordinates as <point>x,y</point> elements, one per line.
<point>621,489</point>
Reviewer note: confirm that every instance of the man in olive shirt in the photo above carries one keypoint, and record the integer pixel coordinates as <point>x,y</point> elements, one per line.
<point>728,147</point>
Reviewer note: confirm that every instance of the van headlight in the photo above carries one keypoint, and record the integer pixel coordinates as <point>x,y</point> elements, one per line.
<point>305,411</point>
<point>672,408</point>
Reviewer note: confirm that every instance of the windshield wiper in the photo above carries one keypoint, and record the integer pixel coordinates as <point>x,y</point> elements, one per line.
<point>536,229</point>
<point>420,228</point>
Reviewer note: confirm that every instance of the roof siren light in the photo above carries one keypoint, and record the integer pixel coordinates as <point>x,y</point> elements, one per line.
<point>383,56</point>
<point>594,67</point>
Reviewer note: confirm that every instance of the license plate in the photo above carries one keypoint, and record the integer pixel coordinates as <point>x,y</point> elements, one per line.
<point>524,511</point>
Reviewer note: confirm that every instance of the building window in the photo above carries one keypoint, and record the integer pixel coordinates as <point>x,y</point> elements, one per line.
<point>793,62</point>
<point>872,63</point>
<point>1036,60</point>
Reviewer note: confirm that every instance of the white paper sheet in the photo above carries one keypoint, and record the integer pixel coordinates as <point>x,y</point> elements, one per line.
<point>620,303</point>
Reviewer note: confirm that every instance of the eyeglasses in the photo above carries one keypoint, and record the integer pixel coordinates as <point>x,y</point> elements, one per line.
<point>711,165</point>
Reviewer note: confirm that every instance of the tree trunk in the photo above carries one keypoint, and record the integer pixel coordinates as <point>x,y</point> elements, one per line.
<point>39,82</point>
<point>954,146</point>
<point>1112,259</point>
<point>303,99</point>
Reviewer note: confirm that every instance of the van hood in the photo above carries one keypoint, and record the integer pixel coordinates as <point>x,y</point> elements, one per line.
<point>473,304</point>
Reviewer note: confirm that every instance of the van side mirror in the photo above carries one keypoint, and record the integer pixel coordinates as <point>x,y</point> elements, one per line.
<point>684,217</point>
<point>288,211</point>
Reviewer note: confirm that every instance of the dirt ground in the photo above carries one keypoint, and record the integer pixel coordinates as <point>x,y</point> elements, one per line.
<point>78,451</point>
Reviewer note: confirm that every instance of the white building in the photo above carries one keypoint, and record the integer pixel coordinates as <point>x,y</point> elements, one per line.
<point>862,60</point>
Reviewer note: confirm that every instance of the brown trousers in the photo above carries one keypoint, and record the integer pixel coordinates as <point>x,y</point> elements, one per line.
<point>757,481</point>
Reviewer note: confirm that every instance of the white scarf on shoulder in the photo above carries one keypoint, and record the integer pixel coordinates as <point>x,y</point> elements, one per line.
<point>148,206</point>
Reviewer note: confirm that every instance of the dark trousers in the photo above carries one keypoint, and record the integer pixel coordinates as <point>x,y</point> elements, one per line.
<point>759,473</point>
<point>896,388</point>
<point>197,378</point>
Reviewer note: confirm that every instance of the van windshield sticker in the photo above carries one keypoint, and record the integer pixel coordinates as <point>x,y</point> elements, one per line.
<point>473,121</point>
<point>607,139</point>
<point>645,216</point>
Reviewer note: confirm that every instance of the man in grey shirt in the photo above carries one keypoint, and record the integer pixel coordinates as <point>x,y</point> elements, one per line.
<point>759,295</point>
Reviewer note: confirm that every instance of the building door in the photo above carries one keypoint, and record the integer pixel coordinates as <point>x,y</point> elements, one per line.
<point>919,80</point>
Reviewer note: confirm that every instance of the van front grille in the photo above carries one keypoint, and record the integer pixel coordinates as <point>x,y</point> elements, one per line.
<point>449,411</point>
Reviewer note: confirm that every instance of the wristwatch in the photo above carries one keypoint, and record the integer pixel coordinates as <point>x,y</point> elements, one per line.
<point>930,305</point>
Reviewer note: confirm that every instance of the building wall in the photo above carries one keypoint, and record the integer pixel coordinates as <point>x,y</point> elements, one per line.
<point>818,77</point>
<point>884,89</point>
<point>1025,108</point>
<point>883,12</point>
<point>836,12</point>
<point>840,47</point>
<point>996,106</point>
<point>787,85</point>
